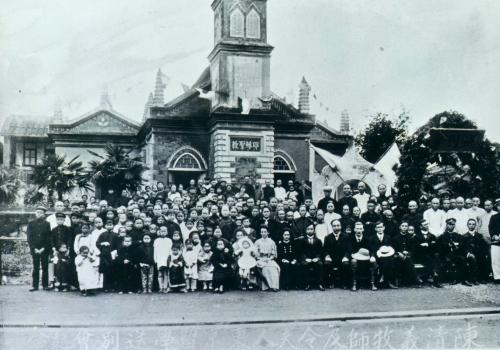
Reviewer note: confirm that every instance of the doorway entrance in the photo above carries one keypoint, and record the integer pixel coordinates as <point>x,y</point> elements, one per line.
<point>186,164</point>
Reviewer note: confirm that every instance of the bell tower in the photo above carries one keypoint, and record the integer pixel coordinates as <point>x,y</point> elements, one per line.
<point>240,60</point>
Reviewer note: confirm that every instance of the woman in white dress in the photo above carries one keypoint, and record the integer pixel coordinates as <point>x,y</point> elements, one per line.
<point>267,267</point>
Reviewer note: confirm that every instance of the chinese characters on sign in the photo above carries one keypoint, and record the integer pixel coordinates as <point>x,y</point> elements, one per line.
<point>245,144</point>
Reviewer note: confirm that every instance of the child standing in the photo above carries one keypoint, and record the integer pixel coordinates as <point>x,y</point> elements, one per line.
<point>87,268</point>
<point>127,263</point>
<point>221,261</point>
<point>191,268</point>
<point>62,268</point>
<point>162,248</point>
<point>147,263</point>
<point>104,245</point>
<point>205,267</point>
<point>176,264</point>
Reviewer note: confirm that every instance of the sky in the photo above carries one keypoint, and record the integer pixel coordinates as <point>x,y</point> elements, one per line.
<point>365,57</point>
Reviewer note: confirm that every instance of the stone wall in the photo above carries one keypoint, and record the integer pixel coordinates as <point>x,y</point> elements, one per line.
<point>165,145</point>
<point>234,164</point>
<point>298,149</point>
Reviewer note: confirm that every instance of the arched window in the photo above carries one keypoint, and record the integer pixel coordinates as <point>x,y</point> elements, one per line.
<point>281,165</point>
<point>237,24</point>
<point>253,24</point>
<point>187,161</point>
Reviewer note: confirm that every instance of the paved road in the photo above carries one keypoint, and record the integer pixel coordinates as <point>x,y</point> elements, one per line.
<point>452,317</point>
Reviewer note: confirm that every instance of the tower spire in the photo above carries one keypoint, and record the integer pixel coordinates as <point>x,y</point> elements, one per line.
<point>58,116</point>
<point>159,98</point>
<point>304,91</point>
<point>147,107</point>
<point>105,101</point>
<point>344,122</point>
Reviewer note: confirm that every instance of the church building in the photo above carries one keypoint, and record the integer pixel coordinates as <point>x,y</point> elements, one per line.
<point>228,124</point>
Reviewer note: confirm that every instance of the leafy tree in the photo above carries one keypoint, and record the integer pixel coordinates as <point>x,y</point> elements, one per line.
<point>9,185</point>
<point>58,176</point>
<point>415,177</point>
<point>380,134</point>
<point>118,169</point>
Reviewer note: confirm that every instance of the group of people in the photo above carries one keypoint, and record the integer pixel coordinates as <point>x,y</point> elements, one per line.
<point>214,236</point>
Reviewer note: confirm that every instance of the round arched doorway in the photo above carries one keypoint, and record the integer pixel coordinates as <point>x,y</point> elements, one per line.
<point>284,167</point>
<point>184,165</point>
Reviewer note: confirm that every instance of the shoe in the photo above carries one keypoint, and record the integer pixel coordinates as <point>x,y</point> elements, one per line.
<point>437,285</point>
<point>374,288</point>
<point>467,283</point>
<point>392,286</point>
<point>46,288</point>
<point>476,283</point>
<point>454,282</point>
<point>321,288</point>
<point>307,287</point>
<point>33,289</point>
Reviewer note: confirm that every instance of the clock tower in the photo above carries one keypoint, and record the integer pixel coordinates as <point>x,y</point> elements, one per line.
<point>240,60</point>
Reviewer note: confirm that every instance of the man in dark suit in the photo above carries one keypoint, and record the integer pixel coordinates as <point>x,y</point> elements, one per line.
<point>347,199</point>
<point>452,252</point>
<point>476,254</point>
<point>361,256</point>
<point>404,246</point>
<point>312,265</point>
<point>336,255</point>
<point>327,190</point>
<point>39,241</point>
<point>385,260</point>
<point>426,253</point>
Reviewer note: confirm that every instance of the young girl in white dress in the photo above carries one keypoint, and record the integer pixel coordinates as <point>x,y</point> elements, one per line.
<point>191,267</point>
<point>87,267</point>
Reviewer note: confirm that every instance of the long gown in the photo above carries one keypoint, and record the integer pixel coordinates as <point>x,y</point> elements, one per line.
<point>88,273</point>
<point>269,270</point>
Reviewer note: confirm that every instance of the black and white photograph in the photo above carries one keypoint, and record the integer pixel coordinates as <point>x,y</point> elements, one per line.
<point>249,174</point>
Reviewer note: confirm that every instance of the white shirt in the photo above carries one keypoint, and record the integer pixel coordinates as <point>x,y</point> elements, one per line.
<point>484,221</point>
<point>51,219</point>
<point>162,247</point>
<point>437,221</point>
<point>462,216</point>
<point>322,231</point>
<point>279,193</point>
<point>362,200</point>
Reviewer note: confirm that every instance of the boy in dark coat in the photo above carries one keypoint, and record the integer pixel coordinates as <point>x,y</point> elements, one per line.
<point>105,245</point>
<point>127,263</point>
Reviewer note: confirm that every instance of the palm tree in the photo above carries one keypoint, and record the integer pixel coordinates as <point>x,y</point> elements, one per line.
<point>118,169</point>
<point>57,175</point>
<point>9,185</point>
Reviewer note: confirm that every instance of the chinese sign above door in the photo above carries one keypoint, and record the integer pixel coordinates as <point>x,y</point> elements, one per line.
<point>245,144</point>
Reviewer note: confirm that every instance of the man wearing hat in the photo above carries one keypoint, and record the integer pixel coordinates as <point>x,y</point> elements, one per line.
<point>477,254</point>
<point>61,233</point>
<point>327,190</point>
<point>38,234</point>
<point>361,256</point>
<point>452,253</point>
<point>381,245</point>
<point>494,230</point>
